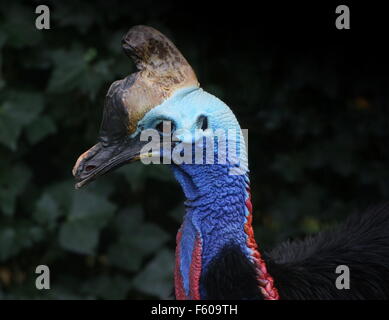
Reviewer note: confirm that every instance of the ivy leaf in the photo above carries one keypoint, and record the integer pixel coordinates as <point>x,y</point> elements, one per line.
<point>79,237</point>
<point>91,207</point>
<point>40,128</point>
<point>7,238</point>
<point>147,239</point>
<point>157,277</point>
<point>14,238</point>
<point>89,213</point>
<point>24,106</point>
<point>68,72</point>
<point>136,240</point>
<point>19,110</point>
<point>9,130</point>
<point>20,27</point>
<point>47,210</point>
<point>62,193</point>
<point>95,76</point>
<point>12,183</point>
<point>76,69</point>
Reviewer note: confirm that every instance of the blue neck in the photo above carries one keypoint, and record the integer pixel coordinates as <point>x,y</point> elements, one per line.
<point>216,213</point>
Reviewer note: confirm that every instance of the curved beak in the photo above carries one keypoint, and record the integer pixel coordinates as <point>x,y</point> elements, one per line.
<point>161,70</point>
<point>103,158</point>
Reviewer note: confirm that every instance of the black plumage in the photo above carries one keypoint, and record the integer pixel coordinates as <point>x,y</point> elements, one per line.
<point>231,276</point>
<point>305,269</point>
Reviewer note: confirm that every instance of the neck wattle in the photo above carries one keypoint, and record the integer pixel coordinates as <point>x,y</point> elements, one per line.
<point>218,214</point>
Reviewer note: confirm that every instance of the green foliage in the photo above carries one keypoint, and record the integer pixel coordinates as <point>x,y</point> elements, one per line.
<point>98,241</point>
<point>157,276</point>
<point>18,110</point>
<point>12,183</point>
<point>146,238</point>
<point>317,148</point>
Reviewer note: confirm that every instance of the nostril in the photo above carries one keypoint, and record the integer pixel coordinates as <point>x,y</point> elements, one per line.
<point>89,168</point>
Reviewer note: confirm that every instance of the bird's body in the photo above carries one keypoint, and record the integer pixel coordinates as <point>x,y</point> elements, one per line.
<point>218,205</point>
<point>306,269</point>
<point>216,255</point>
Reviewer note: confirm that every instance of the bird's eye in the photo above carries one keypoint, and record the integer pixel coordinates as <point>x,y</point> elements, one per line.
<point>202,123</point>
<point>168,124</point>
<point>159,126</point>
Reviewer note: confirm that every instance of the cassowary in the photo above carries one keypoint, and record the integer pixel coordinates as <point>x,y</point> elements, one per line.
<point>217,256</point>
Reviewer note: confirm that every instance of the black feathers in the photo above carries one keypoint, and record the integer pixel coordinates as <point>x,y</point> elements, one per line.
<point>306,269</point>
<point>231,276</point>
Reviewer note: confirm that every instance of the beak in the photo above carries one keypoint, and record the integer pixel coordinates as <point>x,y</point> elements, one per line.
<point>103,158</point>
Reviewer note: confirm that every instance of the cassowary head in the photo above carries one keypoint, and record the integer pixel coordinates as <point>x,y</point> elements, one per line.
<point>199,135</point>
<point>164,96</point>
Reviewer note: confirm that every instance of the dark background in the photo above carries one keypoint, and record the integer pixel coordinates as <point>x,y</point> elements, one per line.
<point>314,98</point>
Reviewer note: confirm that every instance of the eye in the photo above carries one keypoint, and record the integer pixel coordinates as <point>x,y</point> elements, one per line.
<point>159,126</point>
<point>202,123</point>
<point>168,124</point>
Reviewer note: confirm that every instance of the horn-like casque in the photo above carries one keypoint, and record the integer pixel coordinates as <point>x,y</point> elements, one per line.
<point>162,69</point>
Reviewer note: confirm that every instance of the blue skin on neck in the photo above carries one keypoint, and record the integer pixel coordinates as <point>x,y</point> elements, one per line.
<point>216,209</point>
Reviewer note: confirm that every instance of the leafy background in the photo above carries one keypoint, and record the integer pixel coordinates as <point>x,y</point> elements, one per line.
<point>318,123</point>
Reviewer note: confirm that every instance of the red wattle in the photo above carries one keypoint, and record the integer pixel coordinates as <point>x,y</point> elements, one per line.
<point>178,283</point>
<point>265,280</point>
<point>195,270</point>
